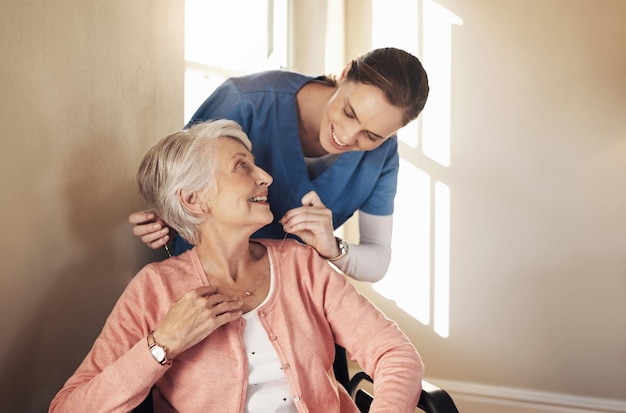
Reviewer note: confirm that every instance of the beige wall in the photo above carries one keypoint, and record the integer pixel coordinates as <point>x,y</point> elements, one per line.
<point>538,267</point>
<point>538,193</point>
<point>86,87</point>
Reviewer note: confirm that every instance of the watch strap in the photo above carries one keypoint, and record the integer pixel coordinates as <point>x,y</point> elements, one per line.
<point>151,344</point>
<point>343,249</point>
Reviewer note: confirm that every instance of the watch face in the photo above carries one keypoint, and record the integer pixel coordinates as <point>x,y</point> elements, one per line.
<point>158,353</point>
<point>343,248</point>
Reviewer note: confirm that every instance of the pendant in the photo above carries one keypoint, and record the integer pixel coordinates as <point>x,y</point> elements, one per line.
<point>248,294</point>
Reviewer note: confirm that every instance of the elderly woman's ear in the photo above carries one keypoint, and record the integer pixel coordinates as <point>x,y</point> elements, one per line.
<point>192,203</point>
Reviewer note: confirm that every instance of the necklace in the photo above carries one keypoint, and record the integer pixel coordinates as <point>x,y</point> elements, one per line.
<point>251,291</point>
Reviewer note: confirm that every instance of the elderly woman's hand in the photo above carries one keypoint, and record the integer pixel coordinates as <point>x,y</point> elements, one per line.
<point>313,224</point>
<point>152,231</point>
<point>194,317</point>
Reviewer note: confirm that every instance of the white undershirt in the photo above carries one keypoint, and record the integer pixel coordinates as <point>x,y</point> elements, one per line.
<point>268,390</point>
<point>317,166</point>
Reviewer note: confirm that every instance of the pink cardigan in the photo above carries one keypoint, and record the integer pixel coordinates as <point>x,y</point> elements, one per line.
<point>312,308</point>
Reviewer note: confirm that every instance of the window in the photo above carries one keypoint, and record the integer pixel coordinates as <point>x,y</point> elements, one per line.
<point>230,38</point>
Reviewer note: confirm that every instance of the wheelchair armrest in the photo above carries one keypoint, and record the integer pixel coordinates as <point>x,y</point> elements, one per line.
<point>363,400</point>
<point>432,400</point>
<point>355,380</point>
<point>435,399</point>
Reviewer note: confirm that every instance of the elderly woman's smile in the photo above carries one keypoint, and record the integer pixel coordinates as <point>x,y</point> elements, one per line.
<point>239,180</point>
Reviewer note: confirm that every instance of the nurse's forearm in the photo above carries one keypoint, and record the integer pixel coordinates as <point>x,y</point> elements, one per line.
<point>369,260</point>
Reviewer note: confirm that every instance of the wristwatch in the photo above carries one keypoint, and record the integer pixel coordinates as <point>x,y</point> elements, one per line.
<point>159,353</point>
<point>343,248</point>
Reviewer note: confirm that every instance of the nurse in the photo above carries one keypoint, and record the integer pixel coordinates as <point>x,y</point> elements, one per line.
<point>330,145</point>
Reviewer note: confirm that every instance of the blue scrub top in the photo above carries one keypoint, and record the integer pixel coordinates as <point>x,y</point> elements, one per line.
<point>264,104</point>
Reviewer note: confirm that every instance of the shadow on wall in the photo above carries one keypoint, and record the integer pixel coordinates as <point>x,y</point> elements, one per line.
<point>54,340</point>
<point>84,282</point>
<point>99,185</point>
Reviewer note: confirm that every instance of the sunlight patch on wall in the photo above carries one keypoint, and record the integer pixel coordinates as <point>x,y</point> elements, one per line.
<point>408,280</point>
<point>418,279</point>
<point>395,23</point>
<point>437,55</point>
<point>441,312</point>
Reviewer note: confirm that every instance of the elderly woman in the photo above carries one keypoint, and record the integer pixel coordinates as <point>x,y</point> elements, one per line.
<point>234,324</point>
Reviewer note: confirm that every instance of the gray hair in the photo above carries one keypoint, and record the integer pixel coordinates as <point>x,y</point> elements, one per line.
<point>184,161</point>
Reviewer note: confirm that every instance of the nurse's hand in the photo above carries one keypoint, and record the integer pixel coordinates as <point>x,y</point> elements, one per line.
<point>152,231</point>
<point>313,224</point>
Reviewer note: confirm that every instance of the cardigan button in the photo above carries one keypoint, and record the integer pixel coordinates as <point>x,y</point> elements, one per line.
<point>296,398</point>
<point>286,366</point>
<point>273,338</point>
<point>261,313</point>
